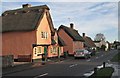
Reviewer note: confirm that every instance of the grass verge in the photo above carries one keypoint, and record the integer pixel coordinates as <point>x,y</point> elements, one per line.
<point>103,73</point>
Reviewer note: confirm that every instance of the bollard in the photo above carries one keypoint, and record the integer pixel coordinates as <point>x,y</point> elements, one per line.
<point>95,71</point>
<point>103,64</point>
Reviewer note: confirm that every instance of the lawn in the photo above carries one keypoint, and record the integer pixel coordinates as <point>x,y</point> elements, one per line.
<point>103,73</point>
<point>116,58</point>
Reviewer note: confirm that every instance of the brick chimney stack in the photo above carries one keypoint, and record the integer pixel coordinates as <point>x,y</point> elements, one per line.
<point>26,5</point>
<point>83,34</point>
<point>72,25</point>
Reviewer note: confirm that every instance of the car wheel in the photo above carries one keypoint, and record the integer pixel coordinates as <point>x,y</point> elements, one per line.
<point>86,57</point>
<point>89,56</point>
<point>75,58</point>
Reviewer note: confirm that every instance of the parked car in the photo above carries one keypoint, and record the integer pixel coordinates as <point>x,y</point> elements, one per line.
<point>91,52</point>
<point>82,53</point>
<point>118,47</point>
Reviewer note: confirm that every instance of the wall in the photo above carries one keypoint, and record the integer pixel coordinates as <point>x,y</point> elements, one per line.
<point>77,45</point>
<point>68,41</point>
<point>62,50</point>
<point>43,27</point>
<point>55,54</point>
<point>37,52</point>
<point>98,45</point>
<point>51,52</point>
<point>18,43</point>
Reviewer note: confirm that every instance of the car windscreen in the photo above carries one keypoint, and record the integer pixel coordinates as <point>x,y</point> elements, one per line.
<point>80,51</point>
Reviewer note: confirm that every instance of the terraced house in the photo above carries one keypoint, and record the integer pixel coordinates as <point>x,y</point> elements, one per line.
<point>29,31</point>
<point>71,37</point>
<point>89,43</point>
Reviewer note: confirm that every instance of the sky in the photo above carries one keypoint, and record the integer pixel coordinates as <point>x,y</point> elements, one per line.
<point>88,17</point>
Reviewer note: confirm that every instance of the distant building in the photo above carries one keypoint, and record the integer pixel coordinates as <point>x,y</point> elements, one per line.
<point>88,42</point>
<point>116,44</point>
<point>100,41</point>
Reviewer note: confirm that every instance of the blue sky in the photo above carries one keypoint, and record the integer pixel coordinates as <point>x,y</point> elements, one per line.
<point>88,17</point>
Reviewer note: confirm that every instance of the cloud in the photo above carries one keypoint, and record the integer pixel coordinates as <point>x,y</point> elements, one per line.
<point>60,0</point>
<point>88,17</point>
<point>10,6</point>
<point>101,18</point>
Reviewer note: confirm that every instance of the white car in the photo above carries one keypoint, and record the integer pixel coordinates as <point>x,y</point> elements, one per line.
<point>82,53</point>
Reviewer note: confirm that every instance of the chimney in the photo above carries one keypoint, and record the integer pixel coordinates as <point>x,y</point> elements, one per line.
<point>83,34</point>
<point>72,25</point>
<point>26,5</point>
<point>55,29</point>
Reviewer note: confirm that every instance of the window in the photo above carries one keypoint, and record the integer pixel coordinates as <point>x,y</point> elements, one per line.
<point>51,50</point>
<point>35,50</point>
<point>54,49</point>
<point>39,50</point>
<point>44,35</point>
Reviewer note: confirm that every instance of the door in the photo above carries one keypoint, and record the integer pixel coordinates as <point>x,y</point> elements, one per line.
<point>45,51</point>
<point>58,52</point>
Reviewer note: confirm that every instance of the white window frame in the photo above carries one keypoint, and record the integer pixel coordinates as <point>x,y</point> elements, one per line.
<point>44,35</point>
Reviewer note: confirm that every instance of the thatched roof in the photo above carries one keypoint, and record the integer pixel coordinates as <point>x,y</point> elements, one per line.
<point>88,42</point>
<point>97,41</point>
<point>61,42</point>
<point>25,19</point>
<point>72,33</point>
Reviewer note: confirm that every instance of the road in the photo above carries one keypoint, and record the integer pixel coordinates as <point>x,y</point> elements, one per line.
<point>68,67</point>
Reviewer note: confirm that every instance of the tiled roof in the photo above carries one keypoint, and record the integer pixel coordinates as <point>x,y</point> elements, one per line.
<point>89,42</point>
<point>25,19</point>
<point>72,33</point>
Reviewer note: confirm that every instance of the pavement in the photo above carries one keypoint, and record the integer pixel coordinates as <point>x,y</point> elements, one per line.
<point>116,67</point>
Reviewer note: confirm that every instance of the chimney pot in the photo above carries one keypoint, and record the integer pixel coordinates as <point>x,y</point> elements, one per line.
<point>83,34</point>
<point>71,25</point>
<point>55,29</point>
<point>26,5</point>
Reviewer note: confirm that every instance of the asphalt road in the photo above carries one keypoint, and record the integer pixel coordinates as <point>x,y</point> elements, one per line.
<point>68,67</point>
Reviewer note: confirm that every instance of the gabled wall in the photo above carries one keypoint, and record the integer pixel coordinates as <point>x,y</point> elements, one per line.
<point>68,41</point>
<point>43,27</point>
<point>77,45</point>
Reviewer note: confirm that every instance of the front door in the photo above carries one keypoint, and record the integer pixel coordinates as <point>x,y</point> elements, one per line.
<point>58,52</point>
<point>45,51</point>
